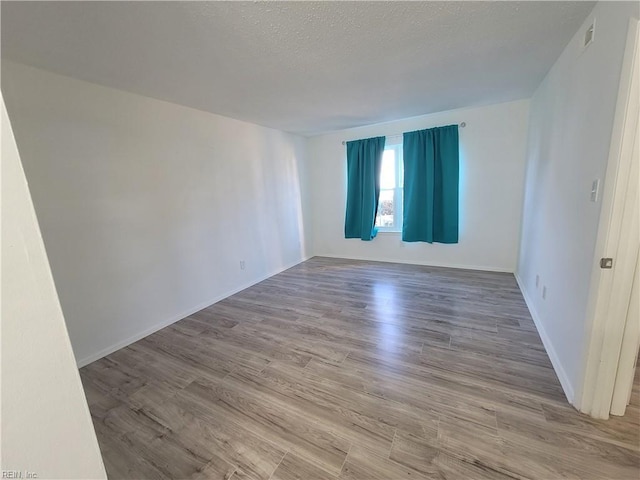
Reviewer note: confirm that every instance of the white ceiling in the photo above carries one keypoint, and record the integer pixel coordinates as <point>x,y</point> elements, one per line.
<point>303,67</point>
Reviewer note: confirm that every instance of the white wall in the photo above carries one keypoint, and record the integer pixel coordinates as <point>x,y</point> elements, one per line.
<point>570,131</point>
<point>492,159</point>
<point>147,207</point>
<point>46,427</point>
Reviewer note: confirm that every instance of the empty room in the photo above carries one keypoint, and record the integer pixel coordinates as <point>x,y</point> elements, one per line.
<point>320,240</point>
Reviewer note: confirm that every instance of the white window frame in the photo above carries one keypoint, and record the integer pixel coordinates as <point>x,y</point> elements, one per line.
<point>397,190</point>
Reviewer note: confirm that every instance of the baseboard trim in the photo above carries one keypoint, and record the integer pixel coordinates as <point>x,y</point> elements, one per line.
<point>565,383</point>
<point>159,326</point>
<point>413,262</point>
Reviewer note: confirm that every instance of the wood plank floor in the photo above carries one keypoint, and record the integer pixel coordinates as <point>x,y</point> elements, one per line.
<point>341,369</point>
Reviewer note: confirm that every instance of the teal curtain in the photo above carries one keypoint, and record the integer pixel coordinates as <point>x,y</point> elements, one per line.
<point>431,174</point>
<point>364,159</point>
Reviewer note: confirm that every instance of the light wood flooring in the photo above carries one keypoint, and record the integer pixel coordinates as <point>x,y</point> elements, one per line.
<point>341,369</point>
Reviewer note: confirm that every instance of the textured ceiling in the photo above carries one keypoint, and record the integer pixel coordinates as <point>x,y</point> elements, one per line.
<point>303,67</point>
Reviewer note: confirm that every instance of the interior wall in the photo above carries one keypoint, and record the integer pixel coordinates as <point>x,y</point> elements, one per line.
<point>147,208</point>
<point>570,131</point>
<point>46,426</point>
<point>492,162</point>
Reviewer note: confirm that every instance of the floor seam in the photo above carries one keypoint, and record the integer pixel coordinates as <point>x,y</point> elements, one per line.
<point>395,433</point>
<point>344,462</point>
<point>274,470</point>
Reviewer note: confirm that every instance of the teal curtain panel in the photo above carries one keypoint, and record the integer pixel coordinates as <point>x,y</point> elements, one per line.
<point>431,177</point>
<point>364,159</point>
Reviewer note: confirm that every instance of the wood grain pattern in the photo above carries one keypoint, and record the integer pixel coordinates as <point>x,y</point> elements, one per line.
<point>341,369</point>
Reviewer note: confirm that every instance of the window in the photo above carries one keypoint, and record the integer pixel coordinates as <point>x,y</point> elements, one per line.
<point>389,217</point>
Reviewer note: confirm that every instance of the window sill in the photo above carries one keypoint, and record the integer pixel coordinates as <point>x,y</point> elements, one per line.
<point>387,232</point>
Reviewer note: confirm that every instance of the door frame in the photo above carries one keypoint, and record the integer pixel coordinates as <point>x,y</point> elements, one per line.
<point>629,352</point>
<point>618,238</point>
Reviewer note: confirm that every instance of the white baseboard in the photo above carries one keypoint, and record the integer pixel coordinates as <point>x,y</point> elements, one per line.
<point>567,387</point>
<point>165,323</point>
<point>485,268</point>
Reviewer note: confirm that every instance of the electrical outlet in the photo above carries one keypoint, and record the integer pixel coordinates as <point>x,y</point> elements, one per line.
<point>241,264</point>
<point>595,190</point>
<point>544,292</point>
<point>537,280</point>
<point>589,34</point>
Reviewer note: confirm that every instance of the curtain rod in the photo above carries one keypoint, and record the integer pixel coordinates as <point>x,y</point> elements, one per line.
<point>461,125</point>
